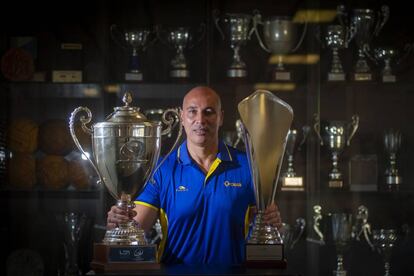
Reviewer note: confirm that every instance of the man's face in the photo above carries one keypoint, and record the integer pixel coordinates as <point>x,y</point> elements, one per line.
<point>201,117</point>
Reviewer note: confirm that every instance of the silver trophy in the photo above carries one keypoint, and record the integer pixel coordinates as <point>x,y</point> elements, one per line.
<point>392,144</point>
<point>384,240</point>
<point>291,234</point>
<point>235,28</point>
<point>180,39</point>
<point>134,41</point>
<point>280,38</point>
<point>363,24</point>
<point>290,180</point>
<point>336,38</point>
<point>265,122</point>
<point>387,56</point>
<point>72,225</point>
<point>336,135</point>
<point>126,147</point>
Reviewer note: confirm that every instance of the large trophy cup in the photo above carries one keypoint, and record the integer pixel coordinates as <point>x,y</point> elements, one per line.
<point>290,180</point>
<point>134,41</point>
<point>280,38</point>
<point>126,147</point>
<point>235,28</point>
<point>180,39</point>
<point>336,38</point>
<point>364,25</point>
<point>336,135</point>
<point>392,144</point>
<point>265,121</point>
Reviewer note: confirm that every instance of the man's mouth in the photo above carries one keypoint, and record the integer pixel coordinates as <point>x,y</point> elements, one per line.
<point>200,131</point>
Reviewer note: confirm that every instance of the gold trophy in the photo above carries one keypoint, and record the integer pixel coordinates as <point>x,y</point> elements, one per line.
<point>266,121</point>
<point>126,147</point>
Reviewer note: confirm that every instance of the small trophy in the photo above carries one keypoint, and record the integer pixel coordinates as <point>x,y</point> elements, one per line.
<point>180,39</point>
<point>336,38</point>
<point>364,25</point>
<point>280,37</point>
<point>392,144</point>
<point>126,147</point>
<point>265,121</point>
<point>134,40</point>
<point>290,180</point>
<point>384,240</point>
<point>387,56</point>
<point>236,28</point>
<point>336,134</point>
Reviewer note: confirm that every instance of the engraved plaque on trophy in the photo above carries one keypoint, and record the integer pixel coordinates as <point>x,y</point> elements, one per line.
<point>126,147</point>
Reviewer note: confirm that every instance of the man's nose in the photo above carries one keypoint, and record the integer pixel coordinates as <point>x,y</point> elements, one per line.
<point>200,118</point>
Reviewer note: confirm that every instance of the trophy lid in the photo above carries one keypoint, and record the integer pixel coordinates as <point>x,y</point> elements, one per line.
<point>126,113</point>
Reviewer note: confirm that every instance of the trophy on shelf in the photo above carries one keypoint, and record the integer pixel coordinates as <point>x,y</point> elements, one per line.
<point>266,121</point>
<point>336,135</point>
<point>364,25</point>
<point>134,41</point>
<point>338,229</point>
<point>392,144</point>
<point>280,36</point>
<point>336,38</point>
<point>126,147</point>
<point>73,225</point>
<point>180,39</point>
<point>235,28</point>
<point>386,55</point>
<point>291,234</point>
<point>290,180</point>
<point>384,240</point>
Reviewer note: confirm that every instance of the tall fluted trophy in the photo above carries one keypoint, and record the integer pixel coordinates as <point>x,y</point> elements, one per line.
<point>392,144</point>
<point>134,41</point>
<point>280,38</point>
<point>336,135</point>
<point>126,147</point>
<point>235,28</point>
<point>266,121</point>
<point>363,24</point>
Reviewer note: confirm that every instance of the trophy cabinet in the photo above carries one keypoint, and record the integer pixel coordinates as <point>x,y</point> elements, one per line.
<point>349,83</point>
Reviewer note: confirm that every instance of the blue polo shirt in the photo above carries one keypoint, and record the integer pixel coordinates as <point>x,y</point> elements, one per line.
<point>204,217</point>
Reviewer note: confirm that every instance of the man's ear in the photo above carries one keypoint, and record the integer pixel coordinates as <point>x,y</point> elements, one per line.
<point>180,110</point>
<point>222,118</point>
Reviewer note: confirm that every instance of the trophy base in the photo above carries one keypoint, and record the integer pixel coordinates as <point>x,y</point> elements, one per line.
<point>335,184</point>
<point>282,75</point>
<point>67,76</point>
<point>133,76</point>
<point>281,264</point>
<point>236,73</point>
<point>393,179</point>
<point>388,78</point>
<point>292,184</point>
<point>108,258</point>
<point>339,272</point>
<point>264,252</point>
<point>180,73</point>
<point>362,76</point>
<point>336,77</point>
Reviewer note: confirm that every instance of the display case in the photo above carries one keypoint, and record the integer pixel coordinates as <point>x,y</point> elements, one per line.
<point>353,136</point>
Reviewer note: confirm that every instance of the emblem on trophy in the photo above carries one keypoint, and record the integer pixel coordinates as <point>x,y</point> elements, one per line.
<point>363,25</point>
<point>392,144</point>
<point>336,38</point>
<point>126,147</point>
<point>336,135</point>
<point>235,28</point>
<point>266,121</point>
<point>280,38</point>
<point>134,41</point>
<point>180,39</point>
<point>290,180</point>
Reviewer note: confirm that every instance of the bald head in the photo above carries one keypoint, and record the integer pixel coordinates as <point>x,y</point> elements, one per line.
<point>202,92</point>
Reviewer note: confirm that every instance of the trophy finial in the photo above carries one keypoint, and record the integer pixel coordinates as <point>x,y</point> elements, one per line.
<point>127,99</point>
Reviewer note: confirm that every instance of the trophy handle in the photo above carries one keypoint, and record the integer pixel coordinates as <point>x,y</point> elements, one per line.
<point>86,129</point>
<point>350,31</point>
<point>305,134</point>
<point>216,18</point>
<point>153,40</point>
<point>300,227</point>
<point>317,127</point>
<point>317,216</point>
<point>200,34</point>
<point>257,19</point>
<point>116,35</point>
<point>367,51</point>
<point>354,124</point>
<point>384,14</point>
<point>161,34</point>
<point>170,117</point>
<point>302,37</point>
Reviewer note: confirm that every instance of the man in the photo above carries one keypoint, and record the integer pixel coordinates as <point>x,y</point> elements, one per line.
<point>202,193</point>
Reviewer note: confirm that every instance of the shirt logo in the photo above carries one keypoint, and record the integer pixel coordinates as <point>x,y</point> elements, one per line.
<point>232,184</point>
<point>181,188</point>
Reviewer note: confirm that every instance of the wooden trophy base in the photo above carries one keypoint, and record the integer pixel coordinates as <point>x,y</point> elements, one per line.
<point>265,256</point>
<point>112,258</point>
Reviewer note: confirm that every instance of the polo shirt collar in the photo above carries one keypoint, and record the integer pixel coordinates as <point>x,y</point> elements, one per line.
<point>223,153</point>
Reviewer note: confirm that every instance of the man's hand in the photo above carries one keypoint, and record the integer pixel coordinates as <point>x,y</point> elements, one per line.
<point>272,216</point>
<point>118,215</point>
